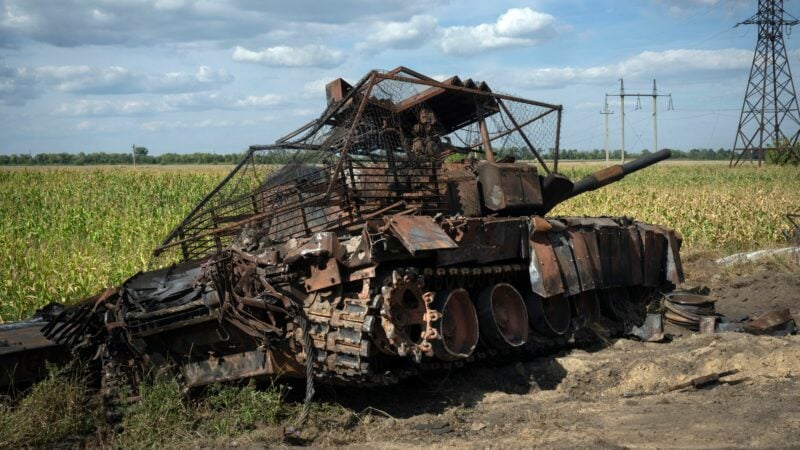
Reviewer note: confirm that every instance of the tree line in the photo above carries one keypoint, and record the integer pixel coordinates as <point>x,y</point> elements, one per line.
<point>279,157</point>
<point>703,154</point>
<point>103,158</point>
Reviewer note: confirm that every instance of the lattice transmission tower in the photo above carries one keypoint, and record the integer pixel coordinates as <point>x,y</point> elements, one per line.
<point>770,118</point>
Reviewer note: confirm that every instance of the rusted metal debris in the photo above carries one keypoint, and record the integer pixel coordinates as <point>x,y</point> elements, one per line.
<point>777,323</point>
<point>704,380</point>
<point>793,233</point>
<point>399,234</point>
<point>687,309</point>
<point>700,382</point>
<point>695,311</point>
<point>651,331</point>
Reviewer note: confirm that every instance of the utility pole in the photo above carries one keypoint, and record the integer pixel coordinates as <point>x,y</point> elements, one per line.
<point>622,116</point>
<point>605,112</point>
<point>655,114</point>
<point>638,96</point>
<point>770,109</point>
<point>133,152</point>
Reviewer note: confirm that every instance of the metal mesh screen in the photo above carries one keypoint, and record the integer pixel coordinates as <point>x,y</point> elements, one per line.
<point>379,149</point>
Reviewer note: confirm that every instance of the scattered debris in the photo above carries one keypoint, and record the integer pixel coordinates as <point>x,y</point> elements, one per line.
<point>704,381</point>
<point>696,312</point>
<point>435,427</point>
<point>696,383</point>
<point>686,309</point>
<point>775,323</point>
<point>651,331</point>
<point>739,258</point>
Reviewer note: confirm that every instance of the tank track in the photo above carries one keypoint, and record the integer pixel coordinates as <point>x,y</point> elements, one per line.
<point>345,326</point>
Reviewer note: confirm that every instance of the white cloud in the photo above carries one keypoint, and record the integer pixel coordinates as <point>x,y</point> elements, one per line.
<point>285,56</point>
<point>679,8</point>
<point>255,101</point>
<point>516,27</point>
<point>401,35</point>
<point>522,22</point>
<point>84,125</point>
<point>69,23</point>
<point>646,63</point>
<point>19,84</point>
<point>158,125</point>
<point>167,103</point>
<point>104,108</point>
<point>120,80</point>
<point>316,88</point>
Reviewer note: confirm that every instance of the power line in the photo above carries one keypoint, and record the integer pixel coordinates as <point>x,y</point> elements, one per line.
<point>654,95</point>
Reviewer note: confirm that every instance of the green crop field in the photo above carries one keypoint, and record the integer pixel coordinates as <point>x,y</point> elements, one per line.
<point>65,233</point>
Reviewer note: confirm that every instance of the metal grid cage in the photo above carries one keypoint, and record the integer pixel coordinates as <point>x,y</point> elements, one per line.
<point>378,148</point>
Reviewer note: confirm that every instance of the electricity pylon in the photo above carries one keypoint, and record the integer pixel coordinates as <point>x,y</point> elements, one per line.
<point>770,118</point>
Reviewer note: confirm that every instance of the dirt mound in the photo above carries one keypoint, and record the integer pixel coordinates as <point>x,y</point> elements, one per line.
<point>636,368</point>
<point>758,293</point>
<point>748,289</point>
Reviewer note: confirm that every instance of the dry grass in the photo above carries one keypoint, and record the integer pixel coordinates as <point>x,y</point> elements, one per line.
<point>54,410</point>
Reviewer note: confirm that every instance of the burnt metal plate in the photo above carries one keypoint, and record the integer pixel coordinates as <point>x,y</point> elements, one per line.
<point>324,277</point>
<point>227,368</point>
<point>605,244</point>
<point>566,261</point>
<point>635,249</point>
<point>24,352</point>
<point>419,233</point>
<point>651,264</point>
<point>500,240</point>
<point>583,259</point>
<point>545,273</point>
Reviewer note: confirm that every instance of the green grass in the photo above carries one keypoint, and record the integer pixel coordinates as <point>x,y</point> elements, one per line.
<point>61,409</point>
<point>66,233</point>
<point>165,417</point>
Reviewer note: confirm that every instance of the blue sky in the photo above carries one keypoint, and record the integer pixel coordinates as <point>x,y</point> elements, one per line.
<point>208,75</point>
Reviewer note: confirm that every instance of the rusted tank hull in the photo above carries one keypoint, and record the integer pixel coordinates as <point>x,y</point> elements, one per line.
<point>25,352</point>
<point>368,304</point>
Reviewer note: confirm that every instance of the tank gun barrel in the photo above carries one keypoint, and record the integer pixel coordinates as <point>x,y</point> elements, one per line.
<point>617,172</point>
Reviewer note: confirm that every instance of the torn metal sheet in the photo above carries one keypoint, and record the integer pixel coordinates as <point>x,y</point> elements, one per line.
<point>651,331</point>
<point>419,233</point>
<point>777,323</point>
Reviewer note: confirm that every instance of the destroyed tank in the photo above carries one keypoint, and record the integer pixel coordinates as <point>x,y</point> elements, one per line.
<point>402,231</point>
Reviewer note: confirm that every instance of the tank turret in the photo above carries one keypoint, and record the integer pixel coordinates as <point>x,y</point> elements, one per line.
<point>515,188</point>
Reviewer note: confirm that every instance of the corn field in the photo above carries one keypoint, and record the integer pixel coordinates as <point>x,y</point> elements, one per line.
<point>66,233</point>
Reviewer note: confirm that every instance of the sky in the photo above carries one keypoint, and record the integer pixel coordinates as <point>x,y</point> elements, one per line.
<point>217,76</point>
